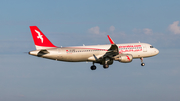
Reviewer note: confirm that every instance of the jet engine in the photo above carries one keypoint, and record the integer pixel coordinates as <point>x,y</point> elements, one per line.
<point>125,58</point>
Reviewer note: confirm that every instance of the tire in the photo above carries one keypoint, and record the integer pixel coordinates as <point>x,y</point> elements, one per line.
<point>93,67</point>
<point>142,64</point>
<point>106,66</point>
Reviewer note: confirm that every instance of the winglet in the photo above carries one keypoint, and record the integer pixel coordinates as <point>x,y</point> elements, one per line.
<point>111,41</point>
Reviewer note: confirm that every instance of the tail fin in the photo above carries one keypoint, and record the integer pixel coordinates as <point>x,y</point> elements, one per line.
<point>40,40</point>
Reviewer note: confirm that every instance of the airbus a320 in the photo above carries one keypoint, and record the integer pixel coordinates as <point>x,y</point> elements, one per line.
<point>102,54</point>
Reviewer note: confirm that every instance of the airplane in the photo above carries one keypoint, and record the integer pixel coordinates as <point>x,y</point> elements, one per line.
<point>102,54</point>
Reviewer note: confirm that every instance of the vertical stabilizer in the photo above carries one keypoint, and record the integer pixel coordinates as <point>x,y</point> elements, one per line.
<point>40,40</point>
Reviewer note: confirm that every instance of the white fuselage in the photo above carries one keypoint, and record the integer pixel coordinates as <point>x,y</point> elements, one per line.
<point>87,53</point>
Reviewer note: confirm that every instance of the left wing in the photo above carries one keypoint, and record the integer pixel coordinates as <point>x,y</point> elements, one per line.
<point>113,50</point>
<point>111,53</point>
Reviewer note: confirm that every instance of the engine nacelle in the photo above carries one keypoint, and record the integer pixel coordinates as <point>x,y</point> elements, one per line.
<point>125,58</point>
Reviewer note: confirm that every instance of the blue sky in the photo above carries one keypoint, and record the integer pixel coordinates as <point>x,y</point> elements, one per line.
<point>77,22</point>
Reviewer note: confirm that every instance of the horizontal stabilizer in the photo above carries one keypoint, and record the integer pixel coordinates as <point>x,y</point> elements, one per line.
<point>42,52</point>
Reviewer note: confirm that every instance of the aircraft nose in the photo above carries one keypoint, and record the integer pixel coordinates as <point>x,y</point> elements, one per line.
<point>156,51</point>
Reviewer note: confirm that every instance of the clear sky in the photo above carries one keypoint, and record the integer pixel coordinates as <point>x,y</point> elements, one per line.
<point>77,22</point>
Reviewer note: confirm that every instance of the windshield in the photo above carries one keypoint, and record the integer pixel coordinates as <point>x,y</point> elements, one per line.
<point>151,47</point>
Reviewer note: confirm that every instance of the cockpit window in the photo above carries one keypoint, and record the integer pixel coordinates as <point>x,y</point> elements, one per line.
<point>151,47</point>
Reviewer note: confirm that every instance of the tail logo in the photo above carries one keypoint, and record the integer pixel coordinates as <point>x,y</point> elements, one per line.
<point>39,35</point>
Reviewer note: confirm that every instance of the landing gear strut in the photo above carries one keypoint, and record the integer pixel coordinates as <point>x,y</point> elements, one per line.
<point>105,65</point>
<point>142,64</point>
<point>93,67</point>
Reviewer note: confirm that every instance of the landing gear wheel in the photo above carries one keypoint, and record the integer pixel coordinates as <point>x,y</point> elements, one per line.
<point>93,67</point>
<point>142,64</point>
<point>105,66</point>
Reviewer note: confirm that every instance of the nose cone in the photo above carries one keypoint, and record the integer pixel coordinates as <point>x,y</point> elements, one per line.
<point>156,51</point>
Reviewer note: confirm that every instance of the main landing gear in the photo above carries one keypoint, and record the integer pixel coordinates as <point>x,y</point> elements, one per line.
<point>93,67</point>
<point>142,64</point>
<point>105,66</point>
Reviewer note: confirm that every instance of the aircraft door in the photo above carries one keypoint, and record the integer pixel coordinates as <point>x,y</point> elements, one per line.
<point>144,48</point>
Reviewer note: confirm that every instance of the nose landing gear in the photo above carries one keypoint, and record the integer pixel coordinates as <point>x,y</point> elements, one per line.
<point>142,64</point>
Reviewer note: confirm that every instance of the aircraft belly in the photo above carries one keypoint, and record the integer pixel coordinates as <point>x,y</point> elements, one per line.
<point>76,57</point>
